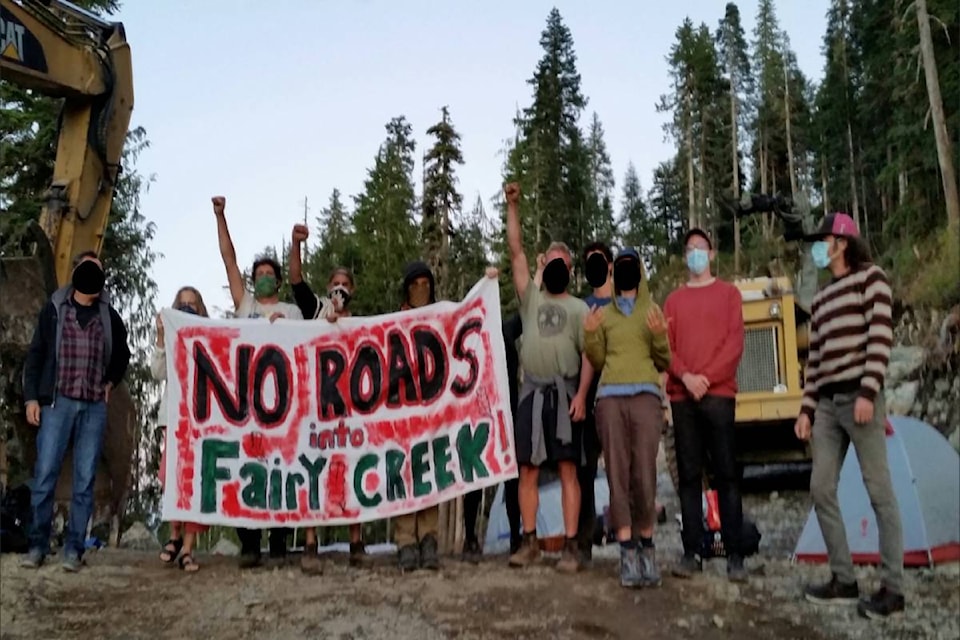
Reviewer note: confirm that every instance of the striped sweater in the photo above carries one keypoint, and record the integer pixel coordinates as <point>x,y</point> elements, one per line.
<point>851,335</point>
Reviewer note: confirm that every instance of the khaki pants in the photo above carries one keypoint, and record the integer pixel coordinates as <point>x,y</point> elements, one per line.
<point>833,431</point>
<point>412,528</point>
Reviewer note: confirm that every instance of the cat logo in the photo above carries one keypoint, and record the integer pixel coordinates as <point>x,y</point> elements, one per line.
<point>11,39</point>
<point>18,45</point>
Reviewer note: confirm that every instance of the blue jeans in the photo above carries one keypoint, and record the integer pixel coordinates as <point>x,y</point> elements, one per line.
<point>85,423</point>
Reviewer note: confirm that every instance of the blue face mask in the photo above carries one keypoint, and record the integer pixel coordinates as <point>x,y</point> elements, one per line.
<point>820,251</point>
<point>698,260</point>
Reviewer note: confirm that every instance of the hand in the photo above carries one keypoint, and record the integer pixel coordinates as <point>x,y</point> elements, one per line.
<point>593,320</point>
<point>541,261</point>
<point>219,204</point>
<point>106,392</point>
<point>160,334</point>
<point>802,427</point>
<point>300,233</point>
<point>655,320</point>
<point>862,411</point>
<point>512,192</point>
<point>493,273</point>
<point>275,316</point>
<point>33,413</point>
<point>333,317</point>
<point>696,385</point>
<point>578,408</point>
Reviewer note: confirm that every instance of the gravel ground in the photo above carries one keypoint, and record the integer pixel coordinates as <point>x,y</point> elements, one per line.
<point>126,594</point>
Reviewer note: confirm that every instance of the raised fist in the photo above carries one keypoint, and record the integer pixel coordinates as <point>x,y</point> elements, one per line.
<point>219,204</point>
<point>512,192</point>
<point>300,233</point>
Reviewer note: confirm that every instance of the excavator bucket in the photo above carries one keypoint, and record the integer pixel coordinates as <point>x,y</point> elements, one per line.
<point>26,283</point>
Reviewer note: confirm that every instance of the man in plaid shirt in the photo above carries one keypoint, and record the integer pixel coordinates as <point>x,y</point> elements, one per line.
<point>78,354</point>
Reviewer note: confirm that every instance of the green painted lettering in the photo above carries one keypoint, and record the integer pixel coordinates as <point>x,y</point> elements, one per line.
<point>211,472</point>
<point>442,458</point>
<point>254,494</point>
<point>419,466</point>
<point>314,469</point>
<point>294,480</point>
<point>396,490</point>
<point>470,446</point>
<point>364,464</point>
<point>276,489</point>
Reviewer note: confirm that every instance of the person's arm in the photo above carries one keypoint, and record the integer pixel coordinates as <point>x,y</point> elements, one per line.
<point>518,259</point>
<point>811,396</point>
<point>299,236</point>
<point>677,369</point>
<point>120,357</point>
<point>158,363</point>
<point>308,302</point>
<point>228,253</point>
<point>723,365</point>
<point>878,300</point>
<point>660,350</point>
<point>37,354</point>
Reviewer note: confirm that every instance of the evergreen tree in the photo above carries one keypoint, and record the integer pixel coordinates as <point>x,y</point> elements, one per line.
<point>600,222</point>
<point>641,228</point>
<point>441,200</point>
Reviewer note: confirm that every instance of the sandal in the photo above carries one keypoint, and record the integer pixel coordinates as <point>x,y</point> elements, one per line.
<point>171,553</point>
<point>188,564</point>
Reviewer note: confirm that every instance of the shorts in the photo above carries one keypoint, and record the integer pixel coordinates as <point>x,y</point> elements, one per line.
<point>556,451</point>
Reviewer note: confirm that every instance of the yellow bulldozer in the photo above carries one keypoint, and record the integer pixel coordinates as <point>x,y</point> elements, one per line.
<point>60,50</point>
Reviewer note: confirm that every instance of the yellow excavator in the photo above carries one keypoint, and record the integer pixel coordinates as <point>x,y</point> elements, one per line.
<point>63,51</point>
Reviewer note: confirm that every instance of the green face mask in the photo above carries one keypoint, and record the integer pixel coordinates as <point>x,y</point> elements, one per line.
<point>265,286</point>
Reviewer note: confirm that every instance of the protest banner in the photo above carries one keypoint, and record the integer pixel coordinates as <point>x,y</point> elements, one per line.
<point>303,423</point>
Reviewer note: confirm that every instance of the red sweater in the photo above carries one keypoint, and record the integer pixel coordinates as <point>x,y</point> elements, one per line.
<point>706,337</point>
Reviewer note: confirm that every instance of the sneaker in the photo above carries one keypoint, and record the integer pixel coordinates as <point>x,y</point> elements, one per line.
<point>570,558</point>
<point>629,568</point>
<point>833,592</point>
<point>33,560</point>
<point>358,555</point>
<point>528,553</point>
<point>310,563</point>
<point>429,553</point>
<point>688,565</point>
<point>736,572</point>
<point>249,560</point>
<point>471,552</point>
<point>881,604</point>
<point>408,557</point>
<point>649,573</point>
<point>72,563</point>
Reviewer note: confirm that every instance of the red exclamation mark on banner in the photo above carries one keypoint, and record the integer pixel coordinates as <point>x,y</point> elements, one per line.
<point>504,439</point>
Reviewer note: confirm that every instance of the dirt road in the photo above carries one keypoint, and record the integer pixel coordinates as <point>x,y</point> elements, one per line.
<point>123,594</point>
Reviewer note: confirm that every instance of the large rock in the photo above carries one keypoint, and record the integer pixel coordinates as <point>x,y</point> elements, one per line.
<point>225,547</point>
<point>140,538</point>
<point>900,399</point>
<point>905,362</point>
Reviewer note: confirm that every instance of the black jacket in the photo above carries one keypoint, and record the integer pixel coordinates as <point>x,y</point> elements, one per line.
<point>40,368</point>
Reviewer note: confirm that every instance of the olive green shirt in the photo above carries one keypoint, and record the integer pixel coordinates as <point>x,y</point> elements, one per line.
<point>552,341</point>
<point>624,349</point>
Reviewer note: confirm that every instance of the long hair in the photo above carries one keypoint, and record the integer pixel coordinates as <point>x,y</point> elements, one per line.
<point>202,308</point>
<point>343,271</point>
<point>857,253</point>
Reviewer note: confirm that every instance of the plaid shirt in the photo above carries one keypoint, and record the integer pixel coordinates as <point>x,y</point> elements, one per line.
<point>80,366</point>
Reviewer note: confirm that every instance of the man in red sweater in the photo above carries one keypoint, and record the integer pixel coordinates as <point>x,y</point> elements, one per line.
<point>705,321</point>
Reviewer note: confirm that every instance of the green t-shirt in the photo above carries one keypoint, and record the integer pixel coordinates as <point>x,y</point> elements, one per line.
<point>552,338</point>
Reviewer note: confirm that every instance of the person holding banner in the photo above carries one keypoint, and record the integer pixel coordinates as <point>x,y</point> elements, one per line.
<point>183,535</point>
<point>264,302</point>
<point>340,288</point>
<point>556,378</point>
<point>627,341</point>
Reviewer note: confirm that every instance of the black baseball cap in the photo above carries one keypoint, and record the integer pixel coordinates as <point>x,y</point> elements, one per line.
<point>697,231</point>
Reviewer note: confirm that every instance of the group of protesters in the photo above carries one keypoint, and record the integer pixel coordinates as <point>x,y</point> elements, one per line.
<point>589,378</point>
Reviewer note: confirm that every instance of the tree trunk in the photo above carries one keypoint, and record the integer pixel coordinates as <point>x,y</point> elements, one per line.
<point>853,177</point>
<point>735,187</point>
<point>944,146</point>
<point>787,118</point>
<point>691,193</point>
<point>824,184</point>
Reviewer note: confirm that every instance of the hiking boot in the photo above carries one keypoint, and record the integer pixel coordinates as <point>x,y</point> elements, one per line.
<point>249,560</point>
<point>528,553</point>
<point>358,555</point>
<point>429,553</point>
<point>72,563</point>
<point>688,565</point>
<point>310,563</point>
<point>570,558</point>
<point>586,554</point>
<point>833,592</point>
<point>516,541</point>
<point>471,552</point>
<point>629,568</point>
<point>649,572</point>
<point>408,558</point>
<point>881,604</point>
<point>736,572</point>
<point>33,560</point>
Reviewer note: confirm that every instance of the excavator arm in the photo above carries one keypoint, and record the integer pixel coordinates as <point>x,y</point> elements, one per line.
<point>61,50</point>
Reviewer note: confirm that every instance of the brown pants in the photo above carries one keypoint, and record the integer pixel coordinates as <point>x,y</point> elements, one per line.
<point>629,428</point>
<point>412,528</point>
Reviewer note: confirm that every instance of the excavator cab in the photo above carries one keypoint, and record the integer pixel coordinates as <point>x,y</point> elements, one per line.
<point>64,51</point>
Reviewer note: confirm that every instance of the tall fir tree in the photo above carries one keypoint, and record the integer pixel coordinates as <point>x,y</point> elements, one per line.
<point>441,201</point>
<point>600,221</point>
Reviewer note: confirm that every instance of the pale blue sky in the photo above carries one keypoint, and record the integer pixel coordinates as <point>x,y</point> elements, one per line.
<point>268,102</point>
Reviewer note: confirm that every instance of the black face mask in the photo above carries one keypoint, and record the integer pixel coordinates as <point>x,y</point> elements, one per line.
<point>556,276</point>
<point>626,275</point>
<point>188,308</point>
<point>88,278</point>
<point>596,270</point>
<point>341,292</point>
